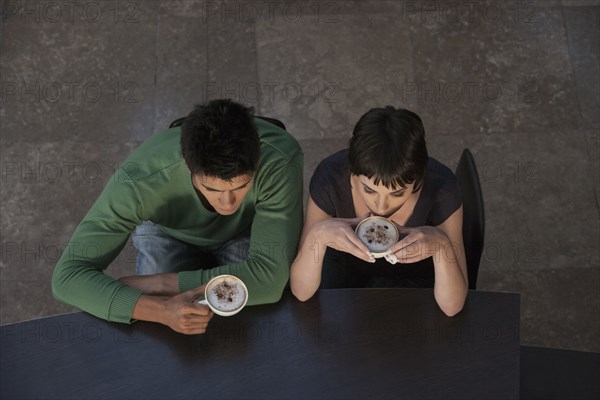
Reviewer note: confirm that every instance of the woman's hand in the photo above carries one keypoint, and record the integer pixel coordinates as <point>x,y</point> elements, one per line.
<point>338,234</point>
<point>418,244</point>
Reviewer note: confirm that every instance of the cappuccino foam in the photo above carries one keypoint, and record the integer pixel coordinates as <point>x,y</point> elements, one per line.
<point>226,296</point>
<point>379,234</point>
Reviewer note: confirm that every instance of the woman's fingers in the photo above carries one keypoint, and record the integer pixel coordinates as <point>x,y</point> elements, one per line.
<point>358,243</point>
<point>412,252</point>
<point>356,250</point>
<point>404,243</point>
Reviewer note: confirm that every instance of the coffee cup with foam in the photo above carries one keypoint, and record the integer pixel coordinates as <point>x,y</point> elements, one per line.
<point>225,295</point>
<point>378,234</point>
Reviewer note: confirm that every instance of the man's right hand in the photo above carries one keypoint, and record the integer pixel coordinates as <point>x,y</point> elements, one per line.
<point>183,314</point>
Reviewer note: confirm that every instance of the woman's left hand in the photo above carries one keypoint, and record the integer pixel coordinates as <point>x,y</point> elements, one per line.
<point>417,244</point>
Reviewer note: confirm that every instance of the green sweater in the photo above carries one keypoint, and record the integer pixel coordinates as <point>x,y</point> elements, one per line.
<point>154,184</point>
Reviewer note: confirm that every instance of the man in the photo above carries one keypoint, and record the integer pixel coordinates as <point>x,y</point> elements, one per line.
<point>221,195</point>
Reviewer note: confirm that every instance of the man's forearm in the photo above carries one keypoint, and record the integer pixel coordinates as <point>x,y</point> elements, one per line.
<point>156,285</point>
<point>150,308</point>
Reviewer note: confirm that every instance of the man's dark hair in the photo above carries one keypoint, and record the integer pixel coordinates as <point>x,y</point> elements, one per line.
<point>219,139</point>
<point>388,144</point>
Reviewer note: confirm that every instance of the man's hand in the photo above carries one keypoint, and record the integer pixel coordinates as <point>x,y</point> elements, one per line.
<point>183,314</point>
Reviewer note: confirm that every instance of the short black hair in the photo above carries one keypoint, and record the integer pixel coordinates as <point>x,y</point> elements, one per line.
<point>219,139</point>
<point>388,144</point>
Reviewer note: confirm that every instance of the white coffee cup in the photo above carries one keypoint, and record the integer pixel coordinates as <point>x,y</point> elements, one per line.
<point>378,234</point>
<point>225,295</point>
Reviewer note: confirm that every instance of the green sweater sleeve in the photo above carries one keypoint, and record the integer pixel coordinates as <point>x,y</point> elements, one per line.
<point>79,277</point>
<point>273,239</point>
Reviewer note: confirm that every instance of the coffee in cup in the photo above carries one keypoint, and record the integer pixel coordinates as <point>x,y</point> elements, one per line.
<point>225,295</point>
<point>378,234</point>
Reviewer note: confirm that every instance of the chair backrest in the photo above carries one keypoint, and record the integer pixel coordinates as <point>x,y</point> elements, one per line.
<point>276,122</point>
<point>473,214</point>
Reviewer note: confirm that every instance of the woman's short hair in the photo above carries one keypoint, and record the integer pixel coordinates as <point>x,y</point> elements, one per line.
<point>388,146</point>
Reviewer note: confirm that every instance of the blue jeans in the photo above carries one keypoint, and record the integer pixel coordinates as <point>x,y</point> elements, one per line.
<point>159,253</point>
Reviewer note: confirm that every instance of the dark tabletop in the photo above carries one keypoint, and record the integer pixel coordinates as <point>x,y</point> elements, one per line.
<point>348,343</point>
<point>548,374</point>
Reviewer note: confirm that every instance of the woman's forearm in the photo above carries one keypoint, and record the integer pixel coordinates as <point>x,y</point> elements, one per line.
<point>450,289</point>
<point>305,273</point>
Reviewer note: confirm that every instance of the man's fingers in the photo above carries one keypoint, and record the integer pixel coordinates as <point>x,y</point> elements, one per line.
<point>194,331</point>
<point>192,294</point>
<point>190,328</point>
<point>195,322</point>
<point>197,309</point>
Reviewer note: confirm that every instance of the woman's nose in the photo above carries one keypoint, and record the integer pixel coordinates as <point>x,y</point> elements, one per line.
<point>381,205</point>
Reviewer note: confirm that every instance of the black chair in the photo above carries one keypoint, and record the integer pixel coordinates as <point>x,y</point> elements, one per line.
<point>276,122</point>
<point>473,214</point>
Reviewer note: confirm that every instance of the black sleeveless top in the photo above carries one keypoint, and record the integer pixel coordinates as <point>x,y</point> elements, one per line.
<point>439,199</point>
<point>330,190</point>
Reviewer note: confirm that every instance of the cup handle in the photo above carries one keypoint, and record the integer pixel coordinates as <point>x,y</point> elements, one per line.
<point>203,302</point>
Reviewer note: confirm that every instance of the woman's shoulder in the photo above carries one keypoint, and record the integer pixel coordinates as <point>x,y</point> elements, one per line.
<point>439,174</point>
<point>329,187</point>
<point>441,192</point>
<point>339,158</point>
<point>334,164</point>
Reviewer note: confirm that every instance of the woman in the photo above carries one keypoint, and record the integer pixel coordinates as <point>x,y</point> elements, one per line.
<point>386,171</point>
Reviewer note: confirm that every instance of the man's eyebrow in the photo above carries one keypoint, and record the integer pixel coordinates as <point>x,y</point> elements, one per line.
<point>215,190</point>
